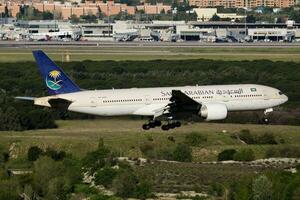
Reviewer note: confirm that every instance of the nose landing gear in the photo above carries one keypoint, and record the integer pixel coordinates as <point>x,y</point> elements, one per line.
<point>265,119</point>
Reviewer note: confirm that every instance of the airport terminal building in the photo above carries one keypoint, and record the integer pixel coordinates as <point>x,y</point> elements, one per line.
<point>151,31</point>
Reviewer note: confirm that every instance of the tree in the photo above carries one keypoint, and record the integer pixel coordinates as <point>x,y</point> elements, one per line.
<point>262,188</point>
<point>74,19</point>
<point>125,184</point>
<point>34,153</point>
<point>182,153</point>
<point>105,176</point>
<point>40,119</point>
<point>215,18</point>
<point>58,188</point>
<point>47,15</point>
<point>11,119</point>
<point>45,169</point>
<point>96,159</point>
<point>295,15</point>
<point>250,19</point>
<point>9,189</point>
<point>143,190</point>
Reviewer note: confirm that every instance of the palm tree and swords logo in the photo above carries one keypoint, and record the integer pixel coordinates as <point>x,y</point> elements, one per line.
<point>52,80</point>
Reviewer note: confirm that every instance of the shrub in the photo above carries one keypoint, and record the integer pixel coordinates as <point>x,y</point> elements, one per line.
<point>40,119</point>
<point>148,149</point>
<point>125,184</point>
<point>182,153</point>
<point>227,154</point>
<point>262,188</point>
<point>195,139</point>
<point>266,138</point>
<point>34,153</point>
<point>165,153</point>
<point>286,151</point>
<point>96,159</point>
<point>105,176</point>
<point>143,190</point>
<point>55,155</point>
<point>244,155</point>
<point>246,136</point>
<point>216,189</point>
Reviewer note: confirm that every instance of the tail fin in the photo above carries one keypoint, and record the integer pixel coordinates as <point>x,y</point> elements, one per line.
<point>56,80</point>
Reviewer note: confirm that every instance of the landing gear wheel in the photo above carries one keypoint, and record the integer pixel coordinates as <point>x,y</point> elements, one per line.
<point>177,124</point>
<point>265,120</point>
<point>172,126</point>
<point>165,127</point>
<point>152,125</point>
<point>146,126</point>
<point>157,123</point>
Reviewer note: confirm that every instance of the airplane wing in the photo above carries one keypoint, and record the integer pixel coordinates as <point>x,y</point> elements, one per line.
<point>181,104</point>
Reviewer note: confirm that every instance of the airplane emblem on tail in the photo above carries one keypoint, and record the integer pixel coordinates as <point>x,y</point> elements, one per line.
<point>52,80</point>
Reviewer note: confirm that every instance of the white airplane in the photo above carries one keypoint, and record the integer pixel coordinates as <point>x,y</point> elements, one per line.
<point>169,104</point>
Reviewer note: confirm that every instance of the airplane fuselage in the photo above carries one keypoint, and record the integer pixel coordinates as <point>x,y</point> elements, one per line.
<point>146,101</point>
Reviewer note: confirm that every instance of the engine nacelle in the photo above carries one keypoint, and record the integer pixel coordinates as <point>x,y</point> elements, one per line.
<point>213,111</point>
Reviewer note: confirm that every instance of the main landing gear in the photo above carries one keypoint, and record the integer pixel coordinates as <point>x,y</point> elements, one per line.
<point>170,125</point>
<point>165,127</point>
<point>151,124</point>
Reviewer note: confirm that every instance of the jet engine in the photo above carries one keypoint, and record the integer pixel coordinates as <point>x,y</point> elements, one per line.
<point>213,111</point>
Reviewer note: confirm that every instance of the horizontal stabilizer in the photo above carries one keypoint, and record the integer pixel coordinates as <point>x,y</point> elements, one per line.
<point>26,98</point>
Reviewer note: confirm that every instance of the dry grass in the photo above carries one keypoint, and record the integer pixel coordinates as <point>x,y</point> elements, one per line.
<point>126,136</point>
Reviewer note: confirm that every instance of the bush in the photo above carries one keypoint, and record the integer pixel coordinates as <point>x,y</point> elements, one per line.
<point>55,155</point>
<point>262,188</point>
<point>125,184</point>
<point>40,119</point>
<point>143,190</point>
<point>195,139</point>
<point>216,189</point>
<point>244,155</point>
<point>148,150</point>
<point>105,176</point>
<point>286,151</point>
<point>34,153</point>
<point>227,154</point>
<point>266,138</point>
<point>246,136</point>
<point>96,159</point>
<point>182,153</point>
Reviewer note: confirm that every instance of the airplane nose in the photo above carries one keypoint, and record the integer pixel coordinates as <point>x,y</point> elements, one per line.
<point>285,98</point>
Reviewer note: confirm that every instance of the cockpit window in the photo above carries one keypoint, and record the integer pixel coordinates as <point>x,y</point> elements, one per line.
<point>280,93</point>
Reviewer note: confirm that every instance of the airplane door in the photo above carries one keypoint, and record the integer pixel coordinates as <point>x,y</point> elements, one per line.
<point>147,100</point>
<point>267,95</point>
<point>93,101</point>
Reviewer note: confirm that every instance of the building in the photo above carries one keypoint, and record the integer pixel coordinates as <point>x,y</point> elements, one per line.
<point>242,3</point>
<point>205,14</point>
<point>67,9</point>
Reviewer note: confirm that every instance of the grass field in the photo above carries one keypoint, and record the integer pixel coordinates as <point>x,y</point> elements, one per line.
<point>152,53</point>
<point>126,136</point>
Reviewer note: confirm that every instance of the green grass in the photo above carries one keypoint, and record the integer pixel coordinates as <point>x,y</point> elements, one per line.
<point>126,136</point>
<point>152,53</point>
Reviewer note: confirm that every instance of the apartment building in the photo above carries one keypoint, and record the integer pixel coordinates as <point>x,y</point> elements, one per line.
<point>243,3</point>
<point>78,9</point>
